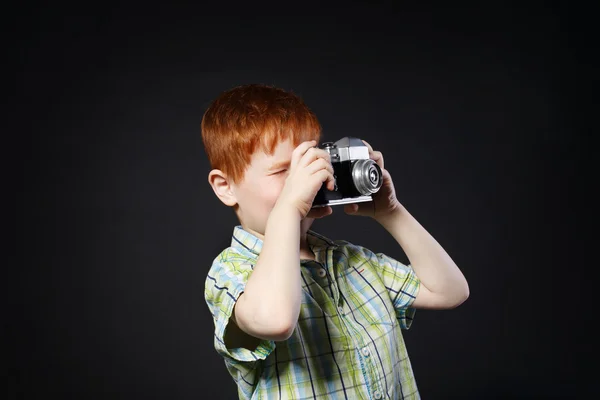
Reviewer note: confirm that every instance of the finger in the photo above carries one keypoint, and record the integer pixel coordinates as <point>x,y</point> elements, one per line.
<point>377,156</point>
<point>374,155</point>
<point>351,208</point>
<point>321,165</point>
<point>319,212</point>
<point>325,176</point>
<point>318,165</point>
<point>300,150</point>
<point>313,154</point>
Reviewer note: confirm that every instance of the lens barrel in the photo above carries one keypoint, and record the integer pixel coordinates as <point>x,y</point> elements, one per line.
<point>367,176</point>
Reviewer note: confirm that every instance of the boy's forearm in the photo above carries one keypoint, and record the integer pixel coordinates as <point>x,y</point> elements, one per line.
<point>432,264</point>
<point>273,292</point>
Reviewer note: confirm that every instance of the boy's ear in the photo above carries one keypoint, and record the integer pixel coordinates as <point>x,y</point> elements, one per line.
<point>219,181</point>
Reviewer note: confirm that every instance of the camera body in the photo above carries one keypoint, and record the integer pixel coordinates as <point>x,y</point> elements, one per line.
<point>356,176</point>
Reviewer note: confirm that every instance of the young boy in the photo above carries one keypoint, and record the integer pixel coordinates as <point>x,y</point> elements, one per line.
<point>298,315</point>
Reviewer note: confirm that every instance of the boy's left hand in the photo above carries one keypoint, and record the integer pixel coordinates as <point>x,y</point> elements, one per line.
<point>384,201</point>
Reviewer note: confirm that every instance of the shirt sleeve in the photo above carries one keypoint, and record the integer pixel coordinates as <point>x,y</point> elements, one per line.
<point>402,284</point>
<point>224,285</point>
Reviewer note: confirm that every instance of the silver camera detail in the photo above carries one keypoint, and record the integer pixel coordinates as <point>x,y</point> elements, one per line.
<point>357,177</point>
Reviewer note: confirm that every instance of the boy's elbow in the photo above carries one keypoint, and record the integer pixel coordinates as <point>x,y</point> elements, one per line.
<point>460,296</point>
<point>465,292</point>
<point>282,332</point>
<point>461,300</point>
<point>277,332</point>
<point>268,327</point>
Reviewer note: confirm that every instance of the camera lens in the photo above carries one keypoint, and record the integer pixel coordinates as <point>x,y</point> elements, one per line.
<point>373,177</point>
<point>367,176</point>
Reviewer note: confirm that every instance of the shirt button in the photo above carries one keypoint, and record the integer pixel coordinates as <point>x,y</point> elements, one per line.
<point>377,394</point>
<point>321,272</point>
<point>341,310</point>
<point>365,352</point>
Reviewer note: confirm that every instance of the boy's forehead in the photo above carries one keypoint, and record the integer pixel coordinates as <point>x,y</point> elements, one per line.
<point>273,161</point>
<point>282,153</point>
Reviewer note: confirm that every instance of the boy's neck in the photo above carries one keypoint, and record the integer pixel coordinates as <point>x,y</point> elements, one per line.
<point>305,251</point>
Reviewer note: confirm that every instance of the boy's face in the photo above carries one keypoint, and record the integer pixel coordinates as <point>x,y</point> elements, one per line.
<point>263,181</point>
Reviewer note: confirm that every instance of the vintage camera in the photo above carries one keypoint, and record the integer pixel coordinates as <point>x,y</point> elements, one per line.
<point>356,176</point>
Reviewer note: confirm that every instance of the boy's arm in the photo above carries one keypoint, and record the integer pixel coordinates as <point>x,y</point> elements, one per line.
<point>443,285</point>
<point>269,307</point>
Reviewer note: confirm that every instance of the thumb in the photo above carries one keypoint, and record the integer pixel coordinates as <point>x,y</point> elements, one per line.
<point>351,208</point>
<point>319,212</point>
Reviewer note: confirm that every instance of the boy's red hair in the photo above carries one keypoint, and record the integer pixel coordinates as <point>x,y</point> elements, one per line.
<point>246,117</point>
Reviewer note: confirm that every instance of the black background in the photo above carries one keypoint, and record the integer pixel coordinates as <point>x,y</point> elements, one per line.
<point>477,110</point>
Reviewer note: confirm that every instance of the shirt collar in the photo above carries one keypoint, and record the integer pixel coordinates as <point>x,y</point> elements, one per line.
<point>246,240</point>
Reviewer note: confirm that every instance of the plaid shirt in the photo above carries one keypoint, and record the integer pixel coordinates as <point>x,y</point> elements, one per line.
<point>347,343</point>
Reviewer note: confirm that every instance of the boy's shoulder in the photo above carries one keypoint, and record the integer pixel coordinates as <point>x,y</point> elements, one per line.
<point>229,272</point>
<point>234,255</point>
<point>231,259</point>
<point>242,248</point>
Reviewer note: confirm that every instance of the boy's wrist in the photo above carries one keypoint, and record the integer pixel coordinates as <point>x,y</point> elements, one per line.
<point>391,217</point>
<point>285,211</point>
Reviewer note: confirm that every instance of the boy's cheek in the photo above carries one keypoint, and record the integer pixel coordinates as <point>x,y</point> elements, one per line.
<point>271,197</point>
<point>275,189</point>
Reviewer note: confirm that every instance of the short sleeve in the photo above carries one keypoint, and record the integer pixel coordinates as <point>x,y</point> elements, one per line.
<point>402,284</point>
<point>224,285</point>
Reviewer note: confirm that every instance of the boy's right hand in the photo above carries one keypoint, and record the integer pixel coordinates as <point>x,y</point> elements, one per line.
<point>310,167</point>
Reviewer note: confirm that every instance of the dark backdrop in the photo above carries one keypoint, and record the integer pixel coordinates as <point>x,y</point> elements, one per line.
<point>476,110</point>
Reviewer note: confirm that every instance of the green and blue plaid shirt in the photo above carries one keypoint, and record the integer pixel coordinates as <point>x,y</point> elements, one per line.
<point>348,342</point>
